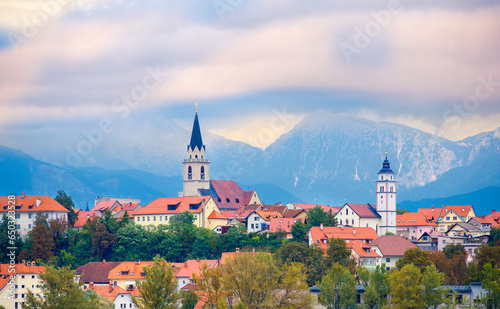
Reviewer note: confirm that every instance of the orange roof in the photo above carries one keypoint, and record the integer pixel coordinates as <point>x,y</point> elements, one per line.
<point>348,233</point>
<point>82,218</point>
<point>266,215</point>
<point>362,249</point>
<point>325,207</point>
<point>193,267</point>
<point>461,210</point>
<point>216,215</point>
<point>28,203</point>
<point>176,204</point>
<point>486,220</point>
<point>495,215</point>
<point>412,219</point>
<point>103,205</point>
<point>104,292</point>
<point>285,224</point>
<point>129,271</point>
<point>229,195</point>
<point>6,272</point>
<point>431,213</point>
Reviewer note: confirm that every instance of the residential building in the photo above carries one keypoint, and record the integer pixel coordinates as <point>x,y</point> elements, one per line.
<point>432,214</point>
<point>283,225</point>
<point>26,208</point>
<point>119,297</point>
<point>494,215</point>
<point>16,281</point>
<point>454,214</point>
<point>295,213</point>
<point>260,220</point>
<point>216,219</point>
<point>84,216</point>
<point>162,209</point>
<point>363,254</point>
<point>465,230</point>
<point>358,215</point>
<point>190,269</point>
<point>121,200</point>
<point>415,223</point>
<point>228,195</point>
<point>391,248</point>
<point>319,235</point>
<point>96,273</point>
<point>483,223</point>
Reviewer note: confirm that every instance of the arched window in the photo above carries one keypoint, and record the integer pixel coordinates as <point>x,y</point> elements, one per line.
<point>190,173</point>
<point>381,189</point>
<point>202,157</point>
<point>352,221</point>
<point>202,176</point>
<point>196,156</point>
<point>340,221</point>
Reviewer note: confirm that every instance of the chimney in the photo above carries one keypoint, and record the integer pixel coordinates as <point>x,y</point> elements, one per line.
<point>91,285</point>
<point>493,210</point>
<point>237,249</point>
<point>38,201</point>
<point>104,261</point>
<point>321,226</point>
<point>22,195</point>
<point>33,263</point>
<point>110,287</point>
<point>433,207</point>
<point>24,262</point>
<point>137,262</point>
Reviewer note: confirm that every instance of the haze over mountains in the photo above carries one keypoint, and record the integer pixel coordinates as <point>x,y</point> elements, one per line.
<point>324,159</point>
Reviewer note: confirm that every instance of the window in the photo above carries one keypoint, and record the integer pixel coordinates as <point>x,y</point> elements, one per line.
<point>161,217</point>
<point>22,277</point>
<point>22,286</point>
<point>196,217</point>
<point>29,216</point>
<point>391,189</point>
<point>154,218</point>
<point>143,219</point>
<point>340,221</point>
<point>166,218</point>
<point>18,226</point>
<point>190,173</point>
<point>279,226</point>
<point>33,277</point>
<point>447,218</point>
<point>256,218</point>
<point>420,230</point>
<point>455,218</point>
<point>381,189</point>
<point>347,212</point>
<point>228,200</point>
<point>257,226</point>
<point>352,221</point>
<point>202,175</point>
<point>388,260</point>
<point>115,283</point>
<point>252,225</point>
<point>18,216</point>
<point>138,219</point>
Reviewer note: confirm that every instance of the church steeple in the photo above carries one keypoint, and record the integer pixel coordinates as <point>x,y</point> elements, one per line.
<point>386,198</point>
<point>196,140</point>
<point>386,167</point>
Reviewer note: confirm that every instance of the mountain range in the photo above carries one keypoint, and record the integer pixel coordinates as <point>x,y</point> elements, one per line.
<point>327,159</point>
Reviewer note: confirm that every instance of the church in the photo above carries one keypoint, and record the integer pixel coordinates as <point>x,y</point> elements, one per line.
<point>382,217</point>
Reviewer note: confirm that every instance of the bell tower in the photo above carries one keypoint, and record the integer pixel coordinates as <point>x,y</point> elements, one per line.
<point>386,198</point>
<point>196,166</point>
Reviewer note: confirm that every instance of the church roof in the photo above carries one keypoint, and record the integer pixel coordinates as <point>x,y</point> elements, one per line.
<point>196,140</point>
<point>386,167</point>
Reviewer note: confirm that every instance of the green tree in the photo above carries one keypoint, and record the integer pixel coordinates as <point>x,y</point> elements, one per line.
<point>491,283</point>
<point>66,201</point>
<point>494,237</point>
<point>97,301</point>
<point>182,218</point>
<point>210,283</point>
<point>292,252</point>
<point>406,290</point>
<point>42,244</point>
<point>111,223</point>
<point>9,238</point>
<point>59,291</point>
<point>376,286</point>
<point>299,231</point>
<point>126,220</point>
<point>416,257</point>
<point>337,253</point>
<point>189,300</point>
<point>159,290</point>
<point>433,294</point>
<point>474,273</point>
<point>317,216</point>
<point>316,265</point>
<point>338,288</point>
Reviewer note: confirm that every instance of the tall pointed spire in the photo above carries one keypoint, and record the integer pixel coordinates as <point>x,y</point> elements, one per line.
<point>386,166</point>
<point>196,140</point>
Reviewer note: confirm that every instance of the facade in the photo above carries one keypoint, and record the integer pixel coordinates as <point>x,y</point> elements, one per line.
<point>162,209</point>
<point>190,269</point>
<point>25,208</point>
<point>454,214</point>
<point>260,220</point>
<point>216,219</point>
<point>415,224</point>
<point>358,215</point>
<point>386,198</point>
<point>363,254</point>
<point>391,248</point>
<point>196,166</point>
<point>283,225</point>
<point>14,285</point>
<point>96,273</point>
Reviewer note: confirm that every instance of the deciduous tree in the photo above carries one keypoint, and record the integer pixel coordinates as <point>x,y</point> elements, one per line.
<point>491,283</point>
<point>210,285</point>
<point>66,201</point>
<point>406,290</point>
<point>433,292</point>
<point>299,231</point>
<point>416,257</point>
<point>337,253</point>
<point>376,286</point>
<point>338,288</point>
<point>317,216</point>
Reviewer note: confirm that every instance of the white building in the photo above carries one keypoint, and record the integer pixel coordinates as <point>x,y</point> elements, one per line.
<point>386,198</point>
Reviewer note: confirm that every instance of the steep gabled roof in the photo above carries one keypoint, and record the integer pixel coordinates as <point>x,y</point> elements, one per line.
<point>484,220</point>
<point>96,272</point>
<point>364,210</point>
<point>413,219</point>
<point>104,205</point>
<point>392,245</point>
<point>362,249</point>
<point>216,215</point>
<point>29,204</point>
<point>267,216</point>
<point>431,213</point>
<point>161,205</point>
<point>228,194</point>
<point>461,210</point>
<point>292,213</point>
<point>196,140</point>
<point>193,267</point>
<point>347,233</point>
<point>105,293</point>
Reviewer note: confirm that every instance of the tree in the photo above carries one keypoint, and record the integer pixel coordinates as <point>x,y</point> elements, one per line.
<point>66,201</point>
<point>9,238</point>
<point>159,290</point>
<point>299,231</point>
<point>474,273</point>
<point>182,218</point>
<point>102,240</point>
<point>316,265</point>
<point>125,219</point>
<point>210,284</point>
<point>338,288</point>
<point>486,254</point>
<point>416,257</point>
<point>292,290</point>
<point>494,237</point>
<point>59,290</point>
<point>317,216</point>
<point>190,299</point>
<point>42,244</point>
<point>491,284</point>
<point>452,262</point>
<point>376,286</point>
<point>337,253</point>
<point>433,294</point>
<point>406,290</point>
<point>292,252</point>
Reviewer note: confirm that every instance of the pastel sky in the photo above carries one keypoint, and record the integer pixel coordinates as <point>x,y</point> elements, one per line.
<point>67,65</point>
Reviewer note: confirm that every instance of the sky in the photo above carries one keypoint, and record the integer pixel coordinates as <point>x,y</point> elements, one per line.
<point>69,67</point>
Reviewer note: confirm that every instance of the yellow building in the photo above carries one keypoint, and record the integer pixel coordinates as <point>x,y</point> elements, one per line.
<point>161,210</point>
<point>454,214</point>
<point>15,282</point>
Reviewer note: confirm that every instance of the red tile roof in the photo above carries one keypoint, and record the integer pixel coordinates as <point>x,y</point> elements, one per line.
<point>364,210</point>
<point>130,206</point>
<point>495,215</point>
<point>392,245</point>
<point>104,292</point>
<point>462,211</point>
<point>181,204</point>
<point>306,207</point>
<point>103,205</point>
<point>274,208</point>
<point>285,224</point>
<point>229,194</point>
<point>362,249</point>
<point>413,219</point>
<point>6,272</point>
<point>267,216</point>
<point>216,215</point>
<point>486,220</point>
<point>319,237</point>
<point>96,272</point>
<point>82,218</point>
<point>193,267</point>
<point>132,269</point>
<point>430,213</point>
<point>28,204</point>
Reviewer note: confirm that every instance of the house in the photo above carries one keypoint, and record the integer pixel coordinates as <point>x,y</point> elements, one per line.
<point>464,230</point>
<point>190,269</point>
<point>24,209</point>
<point>432,214</point>
<point>161,210</point>
<point>221,229</point>
<point>107,205</point>
<point>126,273</point>
<point>391,248</point>
<point>358,215</point>
<point>295,213</point>
<point>454,214</point>
<point>228,195</point>
<point>260,220</point>
<point>363,254</point>
<point>483,223</point>
<point>96,273</point>
<point>119,297</point>
<point>16,280</point>
<point>121,200</point>
<point>319,235</point>
<point>428,241</point>
<point>216,219</point>
<point>494,215</point>
<point>84,216</point>
<point>283,225</point>
<point>415,224</point>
